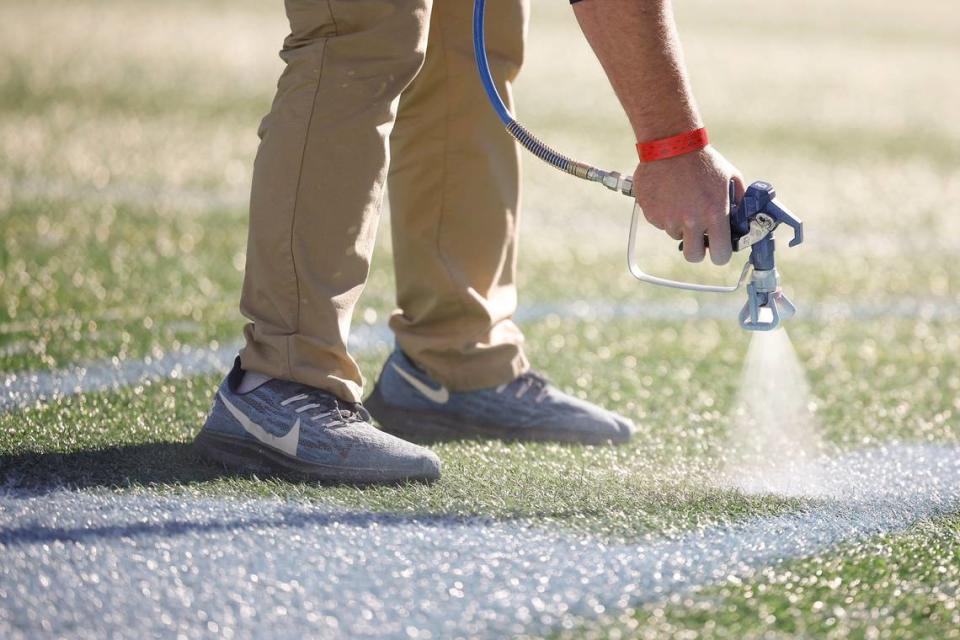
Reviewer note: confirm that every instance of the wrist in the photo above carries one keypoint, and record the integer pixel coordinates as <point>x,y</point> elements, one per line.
<point>653,124</point>
<point>678,144</point>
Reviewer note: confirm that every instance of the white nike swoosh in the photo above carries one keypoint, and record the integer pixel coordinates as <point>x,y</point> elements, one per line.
<point>440,396</point>
<point>288,443</point>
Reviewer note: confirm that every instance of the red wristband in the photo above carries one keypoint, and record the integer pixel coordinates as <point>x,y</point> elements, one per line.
<point>673,146</point>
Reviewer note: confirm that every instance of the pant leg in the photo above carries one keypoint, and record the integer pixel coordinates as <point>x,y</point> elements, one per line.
<point>317,183</point>
<point>454,204</point>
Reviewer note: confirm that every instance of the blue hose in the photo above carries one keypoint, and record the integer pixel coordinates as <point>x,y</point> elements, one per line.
<point>483,66</point>
<point>526,139</point>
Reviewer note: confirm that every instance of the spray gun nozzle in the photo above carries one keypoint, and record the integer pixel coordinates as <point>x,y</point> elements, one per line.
<point>766,315</point>
<point>767,305</point>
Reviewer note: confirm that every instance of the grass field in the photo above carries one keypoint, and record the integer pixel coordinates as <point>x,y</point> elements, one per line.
<point>126,143</point>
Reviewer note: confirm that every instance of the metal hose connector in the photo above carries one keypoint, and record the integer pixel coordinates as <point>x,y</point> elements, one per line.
<point>610,179</point>
<point>532,144</point>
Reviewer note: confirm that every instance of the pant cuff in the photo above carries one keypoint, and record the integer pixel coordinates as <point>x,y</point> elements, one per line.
<point>300,359</point>
<point>488,368</point>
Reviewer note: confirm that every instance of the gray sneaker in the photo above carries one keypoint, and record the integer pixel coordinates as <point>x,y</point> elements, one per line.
<point>289,427</point>
<point>408,403</point>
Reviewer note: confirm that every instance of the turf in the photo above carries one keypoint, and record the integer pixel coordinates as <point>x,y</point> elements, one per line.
<point>137,439</point>
<point>124,169</point>
<point>897,586</point>
<point>676,381</point>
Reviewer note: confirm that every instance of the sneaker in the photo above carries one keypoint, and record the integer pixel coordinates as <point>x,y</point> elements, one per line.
<point>284,426</point>
<point>407,402</point>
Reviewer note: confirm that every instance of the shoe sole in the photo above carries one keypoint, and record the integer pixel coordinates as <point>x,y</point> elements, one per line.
<point>244,456</point>
<point>430,426</point>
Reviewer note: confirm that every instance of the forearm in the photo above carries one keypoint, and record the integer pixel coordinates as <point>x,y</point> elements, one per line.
<point>637,44</point>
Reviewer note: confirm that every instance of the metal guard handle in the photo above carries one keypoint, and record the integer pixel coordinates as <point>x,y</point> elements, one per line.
<point>641,275</point>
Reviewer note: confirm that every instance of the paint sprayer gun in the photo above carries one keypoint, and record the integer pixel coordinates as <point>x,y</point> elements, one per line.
<point>752,220</point>
<point>751,225</point>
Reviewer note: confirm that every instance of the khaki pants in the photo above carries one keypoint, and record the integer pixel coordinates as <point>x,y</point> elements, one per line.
<point>375,92</point>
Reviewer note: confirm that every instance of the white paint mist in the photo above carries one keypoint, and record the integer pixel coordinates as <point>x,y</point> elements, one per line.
<point>775,443</point>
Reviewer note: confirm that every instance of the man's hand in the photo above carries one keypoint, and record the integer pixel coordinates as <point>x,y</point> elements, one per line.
<point>636,41</point>
<point>687,196</point>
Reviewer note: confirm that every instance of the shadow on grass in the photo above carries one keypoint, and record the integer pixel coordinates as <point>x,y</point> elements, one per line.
<point>126,466</point>
<point>54,475</point>
<point>115,467</point>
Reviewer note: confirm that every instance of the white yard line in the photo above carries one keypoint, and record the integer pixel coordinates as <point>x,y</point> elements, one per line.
<point>280,569</point>
<point>19,390</point>
<point>687,307</point>
<point>24,389</point>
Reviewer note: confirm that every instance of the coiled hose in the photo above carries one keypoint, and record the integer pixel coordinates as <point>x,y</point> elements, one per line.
<point>610,179</point>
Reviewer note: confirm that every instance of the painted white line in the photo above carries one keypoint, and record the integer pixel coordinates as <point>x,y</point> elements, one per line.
<point>279,569</point>
<point>24,389</point>
<point>21,390</point>
<point>690,307</point>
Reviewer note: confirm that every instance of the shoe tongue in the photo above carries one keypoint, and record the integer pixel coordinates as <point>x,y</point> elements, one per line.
<point>252,380</point>
<point>537,377</point>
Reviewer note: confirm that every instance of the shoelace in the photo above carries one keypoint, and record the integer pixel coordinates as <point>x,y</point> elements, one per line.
<point>345,411</point>
<point>526,382</point>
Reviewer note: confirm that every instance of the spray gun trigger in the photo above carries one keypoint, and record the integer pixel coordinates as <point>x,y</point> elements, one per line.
<point>784,215</point>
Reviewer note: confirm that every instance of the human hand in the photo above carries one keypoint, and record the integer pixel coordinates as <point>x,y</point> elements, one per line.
<point>687,196</point>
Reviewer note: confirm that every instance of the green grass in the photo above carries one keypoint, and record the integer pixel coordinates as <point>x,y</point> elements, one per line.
<point>124,170</point>
<point>136,439</point>
<point>894,586</point>
<point>676,380</point>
